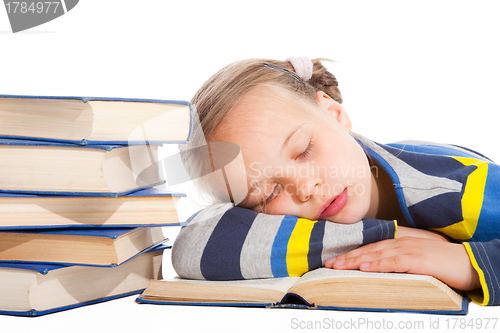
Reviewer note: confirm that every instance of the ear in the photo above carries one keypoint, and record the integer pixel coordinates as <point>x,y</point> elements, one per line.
<point>335,109</point>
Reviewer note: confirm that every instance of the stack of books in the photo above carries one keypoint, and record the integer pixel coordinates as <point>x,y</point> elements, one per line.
<point>81,208</point>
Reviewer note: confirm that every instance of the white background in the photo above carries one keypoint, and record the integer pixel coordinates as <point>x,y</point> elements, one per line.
<point>407,70</point>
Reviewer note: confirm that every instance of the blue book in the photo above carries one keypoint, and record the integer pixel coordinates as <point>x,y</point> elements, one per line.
<point>67,246</point>
<point>322,289</point>
<point>63,168</point>
<point>95,120</point>
<point>38,289</point>
<point>148,207</point>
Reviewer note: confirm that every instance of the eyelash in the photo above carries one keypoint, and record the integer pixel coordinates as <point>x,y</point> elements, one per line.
<point>306,151</point>
<point>273,195</point>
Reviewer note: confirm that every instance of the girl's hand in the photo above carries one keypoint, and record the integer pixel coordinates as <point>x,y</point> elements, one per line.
<point>449,262</point>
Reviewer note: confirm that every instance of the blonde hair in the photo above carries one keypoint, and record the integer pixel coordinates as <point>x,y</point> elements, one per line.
<point>221,93</point>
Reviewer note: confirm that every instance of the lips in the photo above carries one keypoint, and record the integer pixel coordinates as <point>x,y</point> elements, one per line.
<point>331,208</point>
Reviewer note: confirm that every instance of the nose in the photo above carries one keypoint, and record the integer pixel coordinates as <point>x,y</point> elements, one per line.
<point>307,188</point>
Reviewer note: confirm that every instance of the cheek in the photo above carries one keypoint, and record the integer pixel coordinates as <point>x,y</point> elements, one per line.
<point>281,205</point>
<point>355,167</point>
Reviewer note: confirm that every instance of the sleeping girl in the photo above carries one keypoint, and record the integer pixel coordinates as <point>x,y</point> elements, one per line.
<point>307,192</point>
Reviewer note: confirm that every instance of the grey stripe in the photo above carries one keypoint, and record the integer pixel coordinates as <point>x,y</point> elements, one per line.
<point>255,256</point>
<point>341,238</point>
<point>416,185</point>
<point>192,239</point>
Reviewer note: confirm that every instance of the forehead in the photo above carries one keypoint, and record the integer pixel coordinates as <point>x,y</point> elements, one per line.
<point>266,109</point>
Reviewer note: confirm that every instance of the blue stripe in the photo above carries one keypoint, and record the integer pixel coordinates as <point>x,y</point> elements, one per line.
<point>221,257</point>
<point>371,231</point>
<point>375,230</point>
<point>438,211</point>
<point>487,226</point>
<point>432,149</point>
<point>280,246</point>
<point>488,264</point>
<point>316,245</point>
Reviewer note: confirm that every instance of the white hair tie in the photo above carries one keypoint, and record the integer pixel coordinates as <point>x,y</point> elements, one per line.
<point>302,66</point>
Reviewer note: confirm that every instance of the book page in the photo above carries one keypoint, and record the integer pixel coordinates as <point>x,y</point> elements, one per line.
<point>357,289</point>
<point>280,284</point>
<point>325,273</point>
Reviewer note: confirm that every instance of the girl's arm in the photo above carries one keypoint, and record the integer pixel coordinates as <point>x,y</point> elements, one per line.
<point>420,233</point>
<point>223,242</point>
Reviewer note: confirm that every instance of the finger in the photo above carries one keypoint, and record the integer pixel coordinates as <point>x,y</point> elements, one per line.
<point>340,259</point>
<point>355,261</point>
<point>366,249</point>
<point>396,264</point>
<point>343,259</point>
<point>329,262</point>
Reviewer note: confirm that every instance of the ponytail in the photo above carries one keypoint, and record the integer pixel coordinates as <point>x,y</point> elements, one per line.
<point>325,81</point>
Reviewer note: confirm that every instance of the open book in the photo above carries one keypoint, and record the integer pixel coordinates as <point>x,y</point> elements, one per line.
<point>321,289</point>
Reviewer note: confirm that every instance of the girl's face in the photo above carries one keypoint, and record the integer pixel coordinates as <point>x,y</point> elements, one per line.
<point>299,157</point>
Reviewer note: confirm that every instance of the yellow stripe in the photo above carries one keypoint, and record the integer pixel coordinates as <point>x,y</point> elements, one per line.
<point>474,296</point>
<point>472,201</point>
<point>396,229</point>
<point>298,248</point>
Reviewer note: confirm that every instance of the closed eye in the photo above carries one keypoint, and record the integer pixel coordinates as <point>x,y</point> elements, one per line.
<point>306,152</point>
<point>277,189</point>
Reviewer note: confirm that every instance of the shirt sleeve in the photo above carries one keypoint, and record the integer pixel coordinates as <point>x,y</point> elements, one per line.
<point>484,245</point>
<point>224,242</point>
<point>485,259</point>
<point>478,228</point>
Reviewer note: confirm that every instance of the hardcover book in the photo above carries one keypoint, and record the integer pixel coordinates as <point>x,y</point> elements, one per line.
<point>95,120</point>
<point>45,167</point>
<point>149,207</point>
<point>33,290</point>
<point>66,246</point>
<point>323,288</point>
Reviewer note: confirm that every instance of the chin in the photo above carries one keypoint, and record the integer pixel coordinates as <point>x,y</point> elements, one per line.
<point>347,217</point>
<point>332,219</point>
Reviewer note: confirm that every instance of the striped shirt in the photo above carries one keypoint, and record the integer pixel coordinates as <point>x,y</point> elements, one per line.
<point>444,188</point>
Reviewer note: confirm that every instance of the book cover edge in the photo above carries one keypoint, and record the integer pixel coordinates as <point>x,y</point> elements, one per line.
<point>84,194</point>
<point>36,313</point>
<point>45,267</point>
<point>141,192</point>
<point>462,311</point>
